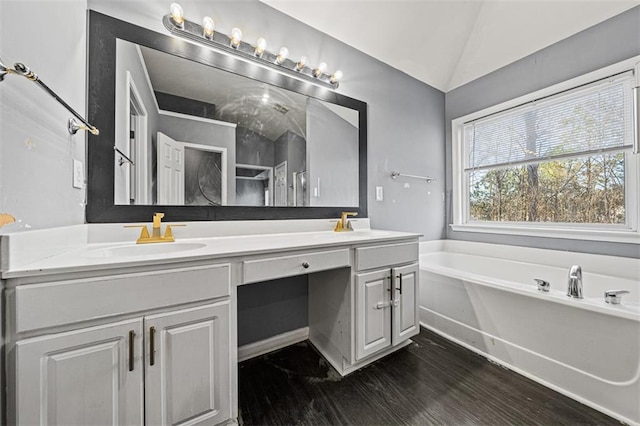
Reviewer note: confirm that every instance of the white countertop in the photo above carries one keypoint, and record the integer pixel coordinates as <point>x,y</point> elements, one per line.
<point>111,255</point>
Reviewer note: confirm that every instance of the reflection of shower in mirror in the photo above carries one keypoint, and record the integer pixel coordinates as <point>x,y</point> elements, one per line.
<point>300,189</point>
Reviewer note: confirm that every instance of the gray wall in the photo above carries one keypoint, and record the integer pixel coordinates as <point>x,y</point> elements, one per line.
<point>611,41</point>
<point>253,148</point>
<point>270,308</point>
<point>332,158</point>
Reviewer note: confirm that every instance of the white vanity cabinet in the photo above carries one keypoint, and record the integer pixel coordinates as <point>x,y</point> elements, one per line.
<point>153,339</point>
<point>89,376</point>
<point>167,359</point>
<point>386,302</point>
<point>187,366</point>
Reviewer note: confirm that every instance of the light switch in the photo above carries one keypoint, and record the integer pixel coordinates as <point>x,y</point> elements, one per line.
<point>78,174</point>
<point>379,193</point>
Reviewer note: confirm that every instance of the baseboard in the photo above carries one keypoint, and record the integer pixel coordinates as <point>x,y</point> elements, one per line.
<point>271,344</point>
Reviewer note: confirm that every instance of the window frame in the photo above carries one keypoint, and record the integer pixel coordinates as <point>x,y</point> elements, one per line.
<point>626,233</point>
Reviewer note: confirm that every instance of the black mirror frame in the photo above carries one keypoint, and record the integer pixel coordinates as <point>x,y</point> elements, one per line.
<point>103,32</point>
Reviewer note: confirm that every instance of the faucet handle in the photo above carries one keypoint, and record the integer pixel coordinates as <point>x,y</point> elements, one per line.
<point>144,232</point>
<point>168,233</point>
<point>542,285</point>
<point>614,296</point>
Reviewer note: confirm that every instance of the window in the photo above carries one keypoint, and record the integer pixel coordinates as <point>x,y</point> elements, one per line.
<point>559,162</point>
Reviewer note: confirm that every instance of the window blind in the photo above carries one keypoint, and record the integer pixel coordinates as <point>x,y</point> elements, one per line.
<point>595,118</point>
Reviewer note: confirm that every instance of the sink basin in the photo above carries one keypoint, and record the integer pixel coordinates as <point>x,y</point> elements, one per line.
<point>144,249</point>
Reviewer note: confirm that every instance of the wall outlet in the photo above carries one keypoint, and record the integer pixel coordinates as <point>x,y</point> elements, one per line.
<point>379,193</point>
<point>78,174</point>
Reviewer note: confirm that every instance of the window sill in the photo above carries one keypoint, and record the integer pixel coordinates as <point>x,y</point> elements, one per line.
<point>617,236</point>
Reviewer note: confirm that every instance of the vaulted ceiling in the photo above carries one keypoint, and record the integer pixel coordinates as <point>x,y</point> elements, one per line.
<point>447,43</point>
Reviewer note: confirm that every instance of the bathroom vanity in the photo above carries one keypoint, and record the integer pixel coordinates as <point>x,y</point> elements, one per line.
<point>119,333</point>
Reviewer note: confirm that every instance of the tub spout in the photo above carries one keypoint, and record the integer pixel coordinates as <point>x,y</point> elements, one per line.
<point>574,285</point>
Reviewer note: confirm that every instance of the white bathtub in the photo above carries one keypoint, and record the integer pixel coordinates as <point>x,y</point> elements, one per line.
<point>484,297</point>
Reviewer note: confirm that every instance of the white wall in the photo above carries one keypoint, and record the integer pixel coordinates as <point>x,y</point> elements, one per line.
<point>36,151</point>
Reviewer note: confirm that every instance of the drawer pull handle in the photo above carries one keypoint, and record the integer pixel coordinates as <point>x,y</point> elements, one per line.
<point>152,346</point>
<point>132,336</point>
<point>400,278</point>
<point>305,265</point>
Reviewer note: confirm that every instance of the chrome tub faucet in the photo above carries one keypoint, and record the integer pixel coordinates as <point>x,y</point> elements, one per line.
<point>574,285</point>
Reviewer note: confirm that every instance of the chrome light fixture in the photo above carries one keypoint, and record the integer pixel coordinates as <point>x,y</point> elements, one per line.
<point>177,25</point>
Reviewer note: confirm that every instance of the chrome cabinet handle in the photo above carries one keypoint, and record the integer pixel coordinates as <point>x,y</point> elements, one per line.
<point>381,305</point>
<point>305,265</point>
<point>132,336</point>
<point>542,285</point>
<point>614,296</point>
<point>152,346</point>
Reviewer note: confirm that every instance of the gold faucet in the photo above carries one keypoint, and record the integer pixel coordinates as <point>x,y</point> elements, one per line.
<point>343,224</point>
<point>156,234</point>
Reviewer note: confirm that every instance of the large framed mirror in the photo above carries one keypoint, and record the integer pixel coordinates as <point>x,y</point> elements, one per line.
<point>202,135</point>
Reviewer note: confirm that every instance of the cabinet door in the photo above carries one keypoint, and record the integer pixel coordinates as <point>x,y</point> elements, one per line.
<point>90,376</point>
<point>188,366</point>
<point>405,302</point>
<point>373,312</point>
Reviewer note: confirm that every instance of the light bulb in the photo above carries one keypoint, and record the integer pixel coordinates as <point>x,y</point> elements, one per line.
<point>322,67</point>
<point>336,77</point>
<point>301,63</point>
<point>283,54</point>
<point>207,27</point>
<point>177,14</point>
<point>261,45</point>
<point>236,37</point>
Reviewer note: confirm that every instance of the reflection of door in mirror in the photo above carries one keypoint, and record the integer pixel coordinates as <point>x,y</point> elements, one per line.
<point>191,174</point>
<point>170,171</point>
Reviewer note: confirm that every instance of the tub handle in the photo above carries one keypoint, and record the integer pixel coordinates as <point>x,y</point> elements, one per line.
<point>614,296</point>
<point>542,285</point>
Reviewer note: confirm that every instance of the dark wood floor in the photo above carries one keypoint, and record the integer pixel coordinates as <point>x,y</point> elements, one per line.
<point>432,381</point>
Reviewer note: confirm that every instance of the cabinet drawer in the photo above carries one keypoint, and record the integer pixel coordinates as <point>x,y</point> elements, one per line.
<point>386,255</point>
<point>51,304</point>
<point>286,266</point>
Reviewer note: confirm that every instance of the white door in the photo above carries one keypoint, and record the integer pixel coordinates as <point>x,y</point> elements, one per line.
<point>170,171</point>
<point>405,303</point>
<point>373,312</point>
<point>91,376</point>
<point>188,366</point>
<point>281,184</point>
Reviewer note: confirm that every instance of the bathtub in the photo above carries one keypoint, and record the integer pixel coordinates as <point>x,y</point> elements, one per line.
<point>484,297</point>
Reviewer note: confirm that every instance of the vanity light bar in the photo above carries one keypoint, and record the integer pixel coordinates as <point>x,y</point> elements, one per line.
<point>177,25</point>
